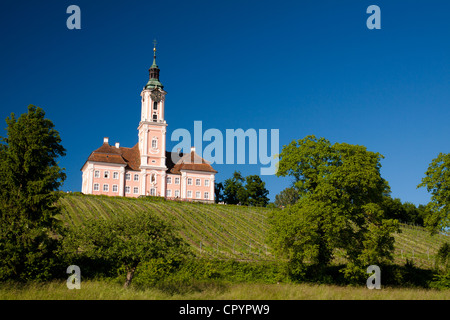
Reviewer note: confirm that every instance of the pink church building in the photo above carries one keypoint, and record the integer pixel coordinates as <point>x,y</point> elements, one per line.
<point>147,169</point>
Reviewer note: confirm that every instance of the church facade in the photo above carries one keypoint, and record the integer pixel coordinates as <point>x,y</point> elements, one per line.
<point>147,169</point>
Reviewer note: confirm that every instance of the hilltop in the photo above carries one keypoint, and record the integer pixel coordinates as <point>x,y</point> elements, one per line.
<point>229,231</point>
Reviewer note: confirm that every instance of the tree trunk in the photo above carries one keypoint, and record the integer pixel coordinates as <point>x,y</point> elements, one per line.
<point>130,275</point>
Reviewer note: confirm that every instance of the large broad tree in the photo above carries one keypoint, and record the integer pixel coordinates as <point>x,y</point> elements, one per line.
<point>340,190</point>
<point>437,182</point>
<point>29,177</point>
<point>124,242</point>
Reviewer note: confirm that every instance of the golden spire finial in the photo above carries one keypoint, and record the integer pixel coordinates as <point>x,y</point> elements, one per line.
<point>154,47</point>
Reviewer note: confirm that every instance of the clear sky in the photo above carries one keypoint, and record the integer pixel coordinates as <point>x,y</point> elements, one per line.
<point>303,67</point>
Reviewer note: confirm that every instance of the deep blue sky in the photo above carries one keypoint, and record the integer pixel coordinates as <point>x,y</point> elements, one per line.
<point>303,67</point>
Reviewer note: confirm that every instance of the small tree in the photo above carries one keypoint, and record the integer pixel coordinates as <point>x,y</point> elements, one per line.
<point>29,177</point>
<point>218,192</point>
<point>234,191</point>
<point>288,196</point>
<point>256,192</point>
<point>437,182</point>
<point>125,241</point>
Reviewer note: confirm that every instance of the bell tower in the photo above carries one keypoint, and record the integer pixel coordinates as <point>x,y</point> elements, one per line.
<point>152,134</point>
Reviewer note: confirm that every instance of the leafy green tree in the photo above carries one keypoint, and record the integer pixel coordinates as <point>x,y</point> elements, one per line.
<point>405,212</point>
<point>218,192</point>
<point>125,241</point>
<point>287,197</point>
<point>234,191</point>
<point>29,177</point>
<point>340,189</point>
<point>256,192</point>
<point>437,182</point>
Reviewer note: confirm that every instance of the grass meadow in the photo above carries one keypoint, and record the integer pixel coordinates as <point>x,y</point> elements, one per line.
<point>111,290</point>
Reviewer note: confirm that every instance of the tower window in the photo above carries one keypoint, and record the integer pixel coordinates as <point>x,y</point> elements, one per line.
<point>155,105</point>
<point>155,117</point>
<point>154,143</point>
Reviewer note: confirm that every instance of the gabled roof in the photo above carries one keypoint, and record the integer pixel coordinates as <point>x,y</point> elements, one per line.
<point>188,161</point>
<point>110,154</point>
<point>130,157</point>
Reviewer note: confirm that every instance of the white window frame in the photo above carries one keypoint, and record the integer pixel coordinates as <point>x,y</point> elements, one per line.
<point>198,194</point>
<point>97,174</point>
<point>127,189</point>
<point>177,193</point>
<point>115,175</point>
<point>169,180</point>
<point>136,177</point>
<point>115,188</point>
<point>206,182</point>
<point>189,181</point>
<point>154,143</point>
<point>106,174</point>
<point>206,195</point>
<point>107,187</point>
<point>96,187</point>
<point>169,193</point>
<point>177,180</point>
<point>128,176</point>
<point>198,182</point>
<point>189,193</point>
<point>136,190</point>
<point>153,191</point>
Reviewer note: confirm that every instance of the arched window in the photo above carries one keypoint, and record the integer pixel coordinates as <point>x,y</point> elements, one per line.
<point>153,178</point>
<point>155,105</point>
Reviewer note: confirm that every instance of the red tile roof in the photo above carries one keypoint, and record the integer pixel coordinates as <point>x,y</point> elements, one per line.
<point>110,154</point>
<point>175,163</point>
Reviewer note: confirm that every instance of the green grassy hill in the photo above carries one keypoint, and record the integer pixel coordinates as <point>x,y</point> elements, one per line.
<point>226,231</point>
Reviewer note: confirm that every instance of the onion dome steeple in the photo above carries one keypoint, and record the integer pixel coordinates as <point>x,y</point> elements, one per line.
<point>153,82</point>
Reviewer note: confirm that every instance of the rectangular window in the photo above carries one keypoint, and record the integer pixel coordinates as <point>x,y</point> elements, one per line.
<point>198,182</point>
<point>153,192</point>
<point>96,187</point>
<point>177,193</point>
<point>169,180</point>
<point>177,180</point>
<point>169,193</point>
<point>189,193</point>
<point>154,144</point>
<point>106,187</point>
<point>96,174</point>
<point>115,188</point>
<point>128,176</point>
<point>127,189</point>
<point>135,190</point>
<point>189,182</point>
<point>206,195</point>
<point>206,183</point>
<point>136,177</point>
<point>106,175</point>
<point>115,175</point>
<point>197,194</point>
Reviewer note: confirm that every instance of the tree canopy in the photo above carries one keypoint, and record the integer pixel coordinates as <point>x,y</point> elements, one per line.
<point>29,177</point>
<point>340,190</point>
<point>437,182</point>
<point>124,241</point>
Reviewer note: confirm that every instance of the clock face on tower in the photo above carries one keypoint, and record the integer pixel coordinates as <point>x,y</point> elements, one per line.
<point>156,95</point>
